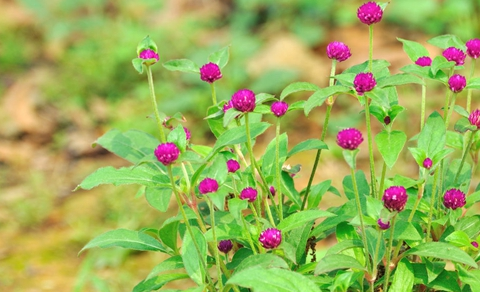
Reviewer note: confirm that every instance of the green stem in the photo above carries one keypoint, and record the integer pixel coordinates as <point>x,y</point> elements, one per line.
<point>249,238</point>
<point>469,92</point>
<point>360,216</point>
<point>447,101</point>
<point>277,170</point>
<point>389,251</point>
<point>214,95</point>
<point>375,258</point>
<point>154,104</point>
<point>370,149</point>
<point>464,155</point>
<point>424,97</point>
<point>450,109</point>
<point>432,204</point>
<point>370,50</point>
<point>382,180</point>
<point>215,243</point>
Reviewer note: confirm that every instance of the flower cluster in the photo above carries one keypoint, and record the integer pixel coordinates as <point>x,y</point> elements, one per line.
<point>394,198</point>
<point>349,139</point>
<point>454,199</point>
<point>364,82</point>
<point>457,83</point>
<point>270,238</point>
<point>474,118</point>
<point>210,72</point>
<point>244,100</point>
<point>370,13</point>
<point>167,153</point>
<point>207,185</point>
<point>424,61</point>
<point>338,51</point>
<point>249,194</point>
<point>455,55</point>
<point>473,48</point>
<point>279,108</point>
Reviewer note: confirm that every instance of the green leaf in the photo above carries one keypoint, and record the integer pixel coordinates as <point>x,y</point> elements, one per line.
<point>317,192</point>
<point>183,65</point>
<point>138,64</point>
<point>439,63</point>
<point>298,219</point>
<point>390,144</point>
<point>344,245</point>
<point>268,159</point>
<point>379,96</point>
<point>404,277</point>
<point>399,79</point>
<point>473,83</point>
<point>459,238</point>
<point>238,135</point>
<point>432,138</point>
<point>192,260</point>
<point>299,239</point>
<point>215,120</point>
<point>472,199</point>
<point>446,281</point>
<point>158,282</point>
<point>404,230</point>
<point>413,49</point>
<point>126,175</point>
<point>220,57</point>
<point>362,185</point>
<point>317,98</point>
<point>178,137</point>
<point>463,125</point>
<point>446,41</point>
<point>337,261</point>
<point>158,198</point>
<point>236,206</point>
<point>423,72</point>
<point>168,234</point>
<point>288,188</point>
<point>309,144</point>
<point>272,280</point>
<point>265,261</point>
<point>172,263</point>
<point>127,239</point>
<point>469,224</point>
<point>131,145</point>
<point>470,277</point>
<point>350,157</point>
<point>442,251</point>
<point>296,87</point>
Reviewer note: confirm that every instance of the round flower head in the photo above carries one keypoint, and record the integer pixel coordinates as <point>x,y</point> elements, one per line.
<point>167,153</point>
<point>457,83</point>
<point>279,108</point>
<point>210,72</point>
<point>270,238</point>
<point>364,82</point>
<point>370,13</point>
<point>387,120</point>
<point>233,165</point>
<point>474,244</point>
<point>453,199</point>
<point>424,61</point>
<point>382,225</point>
<point>349,139</point>
<point>455,55</point>
<point>244,100</point>
<point>249,194</point>
<point>149,54</point>
<point>272,190</point>
<point>473,48</point>
<point>188,135</point>
<point>427,163</point>
<point>225,245</point>
<point>338,51</point>
<point>474,118</point>
<point>394,198</point>
<point>228,105</point>
<point>208,185</point>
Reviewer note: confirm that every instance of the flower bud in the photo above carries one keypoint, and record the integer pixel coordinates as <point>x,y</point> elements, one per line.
<point>394,198</point>
<point>338,51</point>
<point>207,185</point>
<point>167,153</point>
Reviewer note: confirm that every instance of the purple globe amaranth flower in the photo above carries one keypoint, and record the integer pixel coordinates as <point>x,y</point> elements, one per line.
<point>208,185</point>
<point>394,198</point>
<point>370,13</point>
<point>473,48</point>
<point>424,61</point>
<point>233,165</point>
<point>474,244</point>
<point>225,245</point>
<point>382,225</point>
<point>364,82</point>
<point>279,108</point>
<point>474,118</point>
<point>249,194</point>
<point>457,83</point>
<point>270,238</point>
<point>454,199</point>
<point>349,139</point>
<point>188,135</point>
<point>244,100</point>
<point>338,51</point>
<point>167,153</point>
<point>228,105</point>
<point>210,72</point>
<point>272,190</point>
<point>455,55</point>
<point>427,163</point>
<point>149,54</point>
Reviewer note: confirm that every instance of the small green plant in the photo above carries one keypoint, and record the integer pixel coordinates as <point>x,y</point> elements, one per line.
<point>244,225</point>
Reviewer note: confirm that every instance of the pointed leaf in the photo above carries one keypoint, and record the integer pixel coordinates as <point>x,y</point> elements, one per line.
<point>296,87</point>
<point>309,144</point>
<point>183,65</point>
<point>158,282</point>
<point>443,251</point>
<point>390,144</point>
<point>446,41</point>
<point>238,135</point>
<point>220,57</point>
<point>300,218</point>
<point>159,198</point>
<point>317,98</point>
<point>192,260</point>
<point>404,277</point>
<point>337,261</point>
<point>413,49</point>
<point>433,136</point>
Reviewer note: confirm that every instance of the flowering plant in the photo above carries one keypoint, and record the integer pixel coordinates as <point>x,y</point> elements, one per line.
<point>243,221</point>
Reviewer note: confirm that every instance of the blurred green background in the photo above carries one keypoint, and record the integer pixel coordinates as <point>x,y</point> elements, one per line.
<point>66,78</point>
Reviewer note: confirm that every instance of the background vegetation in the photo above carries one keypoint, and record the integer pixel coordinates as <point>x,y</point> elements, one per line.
<point>66,78</point>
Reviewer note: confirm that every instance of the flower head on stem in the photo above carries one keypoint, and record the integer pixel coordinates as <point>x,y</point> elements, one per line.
<point>473,48</point>
<point>455,55</point>
<point>454,199</point>
<point>383,225</point>
<point>225,245</point>
<point>364,82</point>
<point>370,13</point>
<point>210,72</point>
<point>167,153</point>
<point>427,163</point>
<point>338,51</point>
<point>474,118</point>
<point>233,165</point>
<point>249,194</point>
<point>349,139</point>
<point>244,100</point>
<point>270,238</point>
<point>207,185</point>
<point>424,61</point>
<point>457,83</point>
<point>279,108</point>
<point>394,198</point>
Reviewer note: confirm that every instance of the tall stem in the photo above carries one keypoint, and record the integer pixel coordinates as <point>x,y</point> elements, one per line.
<point>469,92</point>
<point>450,109</point>
<point>424,97</point>
<point>154,104</point>
<point>215,243</point>
<point>277,171</point>
<point>432,204</point>
<point>370,149</point>
<point>389,256</point>
<point>464,155</point>
<point>382,179</point>
<point>370,51</point>
<point>214,95</point>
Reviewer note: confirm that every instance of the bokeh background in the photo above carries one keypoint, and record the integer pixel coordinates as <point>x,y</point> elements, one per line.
<point>66,78</point>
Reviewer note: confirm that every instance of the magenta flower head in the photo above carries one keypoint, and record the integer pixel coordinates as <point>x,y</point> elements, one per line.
<point>249,194</point>
<point>338,51</point>
<point>474,118</point>
<point>148,54</point>
<point>394,198</point>
<point>457,83</point>
<point>207,185</point>
<point>188,135</point>
<point>473,48</point>
<point>210,72</point>
<point>364,82</point>
<point>279,108</point>
<point>453,199</point>
<point>427,163</point>
<point>228,105</point>
<point>167,153</point>
<point>349,139</point>
<point>424,61</point>
<point>270,238</point>
<point>233,165</point>
<point>225,245</point>
<point>474,244</point>
<point>455,55</point>
<point>244,100</point>
<point>382,225</point>
<point>272,190</point>
<point>370,13</point>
